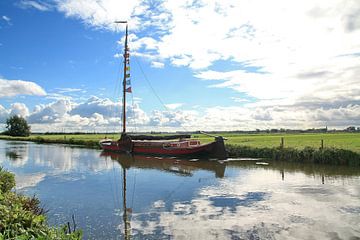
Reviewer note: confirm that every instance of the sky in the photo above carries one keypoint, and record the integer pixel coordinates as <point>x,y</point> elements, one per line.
<point>195,64</point>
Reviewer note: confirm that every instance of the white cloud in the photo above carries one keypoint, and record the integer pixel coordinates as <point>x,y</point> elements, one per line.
<point>171,119</point>
<point>68,90</point>
<point>51,113</point>
<point>10,88</point>
<point>104,115</point>
<point>4,114</point>
<point>285,49</point>
<point>105,107</point>
<point>19,109</point>
<point>6,18</point>
<point>172,106</point>
<point>39,5</point>
<point>103,13</point>
<point>157,64</point>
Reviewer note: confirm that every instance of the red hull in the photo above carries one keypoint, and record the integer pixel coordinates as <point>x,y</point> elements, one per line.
<point>165,148</point>
<point>204,149</point>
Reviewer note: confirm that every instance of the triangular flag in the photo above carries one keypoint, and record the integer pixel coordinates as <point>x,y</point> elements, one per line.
<point>127,75</point>
<point>128,82</point>
<point>128,90</point>
<point>127,68</point>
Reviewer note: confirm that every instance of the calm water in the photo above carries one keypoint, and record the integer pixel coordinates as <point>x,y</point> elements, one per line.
<point>177,199</point>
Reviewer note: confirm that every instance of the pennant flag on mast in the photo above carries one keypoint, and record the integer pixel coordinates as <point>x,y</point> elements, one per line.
<point>128,82</point>
<point>127,75</point>
<point>128,90</point>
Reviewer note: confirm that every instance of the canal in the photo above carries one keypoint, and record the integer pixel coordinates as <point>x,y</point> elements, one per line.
<point>168,198</point>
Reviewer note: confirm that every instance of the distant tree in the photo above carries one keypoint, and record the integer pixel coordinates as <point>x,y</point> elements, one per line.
<point>350,129</point>
<point>17,126</point>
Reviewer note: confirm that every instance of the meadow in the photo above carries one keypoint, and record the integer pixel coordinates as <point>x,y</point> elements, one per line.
<point>347,141</point>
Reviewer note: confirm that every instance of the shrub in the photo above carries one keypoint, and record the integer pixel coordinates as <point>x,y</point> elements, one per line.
<point>22,217</point>
<point>307,155</point>
<point>7,181</point>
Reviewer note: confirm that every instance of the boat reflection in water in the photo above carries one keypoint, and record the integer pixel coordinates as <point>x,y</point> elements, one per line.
<point>240,203</point>
<point>182,167</point>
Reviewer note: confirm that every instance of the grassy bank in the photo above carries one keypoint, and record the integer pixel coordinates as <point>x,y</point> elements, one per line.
<point>22,217</point>
<point>348,141</point>
<point>338,148</point>
<point>331,156</point>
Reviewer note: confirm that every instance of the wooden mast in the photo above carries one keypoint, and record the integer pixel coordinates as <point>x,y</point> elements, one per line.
<point>127,226</point>
<point>126,58</point>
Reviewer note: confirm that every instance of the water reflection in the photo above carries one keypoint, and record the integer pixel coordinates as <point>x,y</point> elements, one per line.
<point>177,166</point>
<point>259,204</point>
<point>123,197</point>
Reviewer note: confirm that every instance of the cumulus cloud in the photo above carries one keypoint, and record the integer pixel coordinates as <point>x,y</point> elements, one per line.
<point>4,114</point>
<point>19,109</point>
<point>105,107</point>
<point>287,52</point>
<point>295,64</point>
<point>50,113</point>
<point>174,119</point>
<point>10,88</point>
<point>95,114</point>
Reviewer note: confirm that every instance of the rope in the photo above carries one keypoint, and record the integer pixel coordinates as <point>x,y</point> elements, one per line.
<point>116,193</point>
<point>150,85</point>
<point>132,102</point>
<point>111,185</point>
<point>173,191</point>
<point>115,94</point>
<point>154,92</point>
<point>133,193</point>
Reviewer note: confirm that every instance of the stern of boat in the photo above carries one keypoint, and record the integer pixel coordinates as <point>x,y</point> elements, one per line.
<point>219,150</point>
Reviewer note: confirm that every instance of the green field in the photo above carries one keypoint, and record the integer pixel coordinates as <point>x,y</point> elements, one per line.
<point>348,141</point>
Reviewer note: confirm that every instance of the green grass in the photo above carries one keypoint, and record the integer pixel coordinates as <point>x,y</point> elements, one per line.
<point>21,217</point>
<point>347,141</point>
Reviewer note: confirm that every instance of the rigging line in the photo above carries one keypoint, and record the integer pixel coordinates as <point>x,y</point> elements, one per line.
<point>173,191</point>
<point>115,111</point>
<point>150,85</point>
<point>115,92</point>
<point>117,199</point>
<point>153,90</point>
<point>132,101</point>
<point>111,184</point>
<point>122,185</point>
<point>134,188</point>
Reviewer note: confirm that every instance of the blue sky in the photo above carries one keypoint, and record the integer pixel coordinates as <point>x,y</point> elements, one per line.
<point>216,65</point>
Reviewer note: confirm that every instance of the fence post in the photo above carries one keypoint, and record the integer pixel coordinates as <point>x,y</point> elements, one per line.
<point>282,143</point>
<point>322,144</point>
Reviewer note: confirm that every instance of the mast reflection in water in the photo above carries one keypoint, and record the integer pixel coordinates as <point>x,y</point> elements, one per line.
<point>181,199</point>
